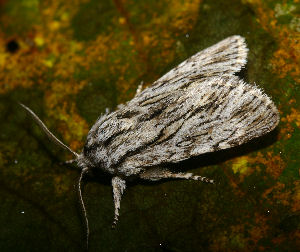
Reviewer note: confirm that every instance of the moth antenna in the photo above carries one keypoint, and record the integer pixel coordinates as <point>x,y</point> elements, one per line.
<point>83,171</point>
<point>48,133</point>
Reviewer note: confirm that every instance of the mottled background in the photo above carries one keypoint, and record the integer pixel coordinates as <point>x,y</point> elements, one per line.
<point>70,59</point>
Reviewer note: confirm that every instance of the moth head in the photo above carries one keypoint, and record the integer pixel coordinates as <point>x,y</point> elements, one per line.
<point>81,160</point>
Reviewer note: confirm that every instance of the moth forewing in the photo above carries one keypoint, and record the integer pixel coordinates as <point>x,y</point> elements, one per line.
<point>222,59</point>
<point>218,113</point>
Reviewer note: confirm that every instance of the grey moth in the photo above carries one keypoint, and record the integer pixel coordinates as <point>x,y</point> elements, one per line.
<point>199,106</point>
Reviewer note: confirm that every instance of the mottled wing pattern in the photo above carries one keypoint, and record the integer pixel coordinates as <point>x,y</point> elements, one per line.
<point>197,107</point>
<point>224,58</point>
<point>177,125</point>
<point>226,113</point>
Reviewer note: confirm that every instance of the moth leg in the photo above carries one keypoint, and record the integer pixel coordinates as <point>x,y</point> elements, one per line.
<point>155,174</point>
<point>139,88</point>
<point>71,161</point>
<point>118,186</point>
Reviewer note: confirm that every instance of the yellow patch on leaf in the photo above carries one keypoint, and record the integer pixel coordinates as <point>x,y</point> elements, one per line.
<point>49,63</point>
<point>3,57</point>
<point>54,25</point>
<point>240,165</point>
<point>122,20</point>
<point>39,40</point>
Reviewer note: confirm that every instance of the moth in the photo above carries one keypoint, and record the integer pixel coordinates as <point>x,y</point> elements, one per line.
<point>199,106</point>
